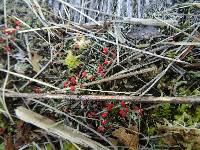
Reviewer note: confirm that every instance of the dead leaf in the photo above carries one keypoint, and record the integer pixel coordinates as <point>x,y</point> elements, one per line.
<point>129,138</point>
<point>35,59</point>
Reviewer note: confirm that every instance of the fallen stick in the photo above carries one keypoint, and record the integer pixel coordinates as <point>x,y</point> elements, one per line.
<point>51,126</point>
<point>138,99</point>
<point>117,77</point>
<point>132,21</point>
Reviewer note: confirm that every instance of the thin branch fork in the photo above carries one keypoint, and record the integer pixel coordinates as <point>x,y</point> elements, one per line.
<point>138,99</point>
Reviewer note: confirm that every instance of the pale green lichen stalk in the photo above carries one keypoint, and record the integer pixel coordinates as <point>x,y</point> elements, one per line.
<point>72,61</point>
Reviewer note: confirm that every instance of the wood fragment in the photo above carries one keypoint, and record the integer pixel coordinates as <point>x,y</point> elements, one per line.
<point>189,49</point>
<point>51,126</point>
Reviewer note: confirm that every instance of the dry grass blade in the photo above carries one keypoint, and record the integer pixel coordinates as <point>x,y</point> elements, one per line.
<point>29,78</point>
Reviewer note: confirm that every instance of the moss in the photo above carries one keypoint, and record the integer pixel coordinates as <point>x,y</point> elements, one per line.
<point>151,131</point>
<point>164,111</point>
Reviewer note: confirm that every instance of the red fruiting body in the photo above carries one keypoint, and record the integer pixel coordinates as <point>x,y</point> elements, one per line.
<point>2,40</point>
<point>65,84</point>
<point>13,31</point>
<point>109,106</point>
<point>138,110</point>
<point>126,110</point>
<point>73,80</point>
<point>17,27</point>
<point>106,62</point>
<point>91,114</point>
<point>84,74</point>
<point>7,48</point>
<point>103,122</point>
<point>18,23</point>
<point>123,104</point>
<point>100,70</point>
<point>105,50</point>
<point>104,115</point>
<point>100,129</point>
<point>9,31</point>
<point>122,113</point>
<point>91,78</point>
<point>5,29</point>
<point>72,88</point>
<point>37,90</point>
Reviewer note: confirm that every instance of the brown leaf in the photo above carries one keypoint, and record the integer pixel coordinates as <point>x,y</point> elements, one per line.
<point>35,59</point>
<point>129,138</point>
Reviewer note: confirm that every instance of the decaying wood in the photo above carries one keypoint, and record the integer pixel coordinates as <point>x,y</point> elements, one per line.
<point>51,126</point>
<point>138,99</point>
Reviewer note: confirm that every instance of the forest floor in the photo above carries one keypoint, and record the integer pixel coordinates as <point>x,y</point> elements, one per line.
<point>132,84</point>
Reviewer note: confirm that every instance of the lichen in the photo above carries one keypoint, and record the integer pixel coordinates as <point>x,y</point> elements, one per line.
<point>72,61</point>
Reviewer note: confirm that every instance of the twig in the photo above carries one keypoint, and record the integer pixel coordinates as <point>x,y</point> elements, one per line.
<point>137,99</point>
<point>189,49</point>
<point>132,21</point>
<point>120,76</point>
<point>8,67</point>
<point>28,78</point>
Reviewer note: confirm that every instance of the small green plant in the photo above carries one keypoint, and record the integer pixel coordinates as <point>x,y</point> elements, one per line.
<point>190,59</point>
<point>171,54</point>
<point>164,111</point>
<point>151,131</point>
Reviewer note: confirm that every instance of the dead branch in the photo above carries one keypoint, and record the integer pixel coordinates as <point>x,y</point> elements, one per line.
<point>138,99</point>
<point>131,21</point>
<point>117,77</point>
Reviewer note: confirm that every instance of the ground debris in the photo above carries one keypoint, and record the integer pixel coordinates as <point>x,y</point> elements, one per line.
<point>128,137</point>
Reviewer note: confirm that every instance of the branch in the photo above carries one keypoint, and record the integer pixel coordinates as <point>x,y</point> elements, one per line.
<point>138,99</point>
<point>117,77</point>
<point>131,21</point>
